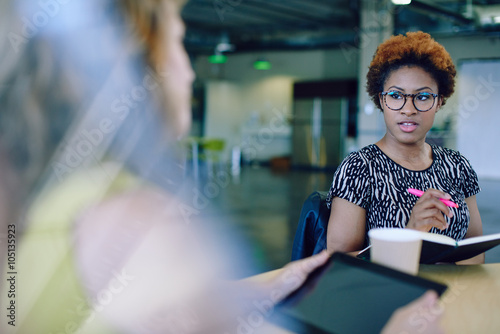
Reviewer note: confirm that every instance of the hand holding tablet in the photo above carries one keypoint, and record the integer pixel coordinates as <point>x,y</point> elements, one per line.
<point>349,295</point>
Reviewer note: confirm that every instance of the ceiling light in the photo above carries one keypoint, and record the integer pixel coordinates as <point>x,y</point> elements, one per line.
<point>224,47</point>
<point>401,2</point>
<point>262,64</point>
<point>224,44</point>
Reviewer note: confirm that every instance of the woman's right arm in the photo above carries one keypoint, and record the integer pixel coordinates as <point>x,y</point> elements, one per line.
<point>346,226</point>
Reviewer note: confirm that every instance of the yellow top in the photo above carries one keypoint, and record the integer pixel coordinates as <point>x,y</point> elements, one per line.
<point>50,298</point>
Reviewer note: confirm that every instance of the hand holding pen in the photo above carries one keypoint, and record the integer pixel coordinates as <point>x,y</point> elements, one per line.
<point>419,193</point>
<point>430,210</point>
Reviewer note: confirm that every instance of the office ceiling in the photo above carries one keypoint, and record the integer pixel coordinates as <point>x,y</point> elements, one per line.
<point>259,25</point>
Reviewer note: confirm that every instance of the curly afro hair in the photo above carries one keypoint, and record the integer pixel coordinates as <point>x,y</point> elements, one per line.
<point>414,49</point>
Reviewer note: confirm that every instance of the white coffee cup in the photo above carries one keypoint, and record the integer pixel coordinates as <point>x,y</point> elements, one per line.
<point>397,248</point>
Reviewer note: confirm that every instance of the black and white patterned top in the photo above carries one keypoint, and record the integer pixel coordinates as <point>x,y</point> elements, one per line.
<point>372,180</point>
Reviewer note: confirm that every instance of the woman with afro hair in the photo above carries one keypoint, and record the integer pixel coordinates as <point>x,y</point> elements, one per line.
<point>409,80</point>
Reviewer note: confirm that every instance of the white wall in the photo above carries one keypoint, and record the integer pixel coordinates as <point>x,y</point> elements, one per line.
<point>462,48</point>
<point>260,109</point>
<point>223,98</point>
<point>479,116</point>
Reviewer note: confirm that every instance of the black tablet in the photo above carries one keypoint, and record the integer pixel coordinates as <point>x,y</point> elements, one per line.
<point>350,295</point>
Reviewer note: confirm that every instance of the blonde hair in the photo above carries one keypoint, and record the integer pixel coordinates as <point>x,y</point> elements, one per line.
<point>40,97</point>
<point>149,24</point>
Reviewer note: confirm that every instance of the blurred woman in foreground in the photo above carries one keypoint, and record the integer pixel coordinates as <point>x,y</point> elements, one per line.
<point>108,238</point>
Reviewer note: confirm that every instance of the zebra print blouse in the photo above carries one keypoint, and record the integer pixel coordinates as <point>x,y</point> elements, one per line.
<point>370,179</point>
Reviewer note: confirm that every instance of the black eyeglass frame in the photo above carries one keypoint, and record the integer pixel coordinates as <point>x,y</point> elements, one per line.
<point>384,94</point>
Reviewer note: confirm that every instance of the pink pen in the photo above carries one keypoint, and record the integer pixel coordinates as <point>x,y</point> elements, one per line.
<point>419,193</point>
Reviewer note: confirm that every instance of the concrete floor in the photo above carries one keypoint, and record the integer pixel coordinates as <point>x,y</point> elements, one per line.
<point>264,205</point>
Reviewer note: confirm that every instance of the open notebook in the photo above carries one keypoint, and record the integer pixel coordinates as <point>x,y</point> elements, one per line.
<point>440,248</point>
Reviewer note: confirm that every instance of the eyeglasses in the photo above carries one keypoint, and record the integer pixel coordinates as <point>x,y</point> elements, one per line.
<point>395,100</point>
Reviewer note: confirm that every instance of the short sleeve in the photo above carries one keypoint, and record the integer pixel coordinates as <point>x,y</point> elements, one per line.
<point>470,183</point>
<point>351,181</point>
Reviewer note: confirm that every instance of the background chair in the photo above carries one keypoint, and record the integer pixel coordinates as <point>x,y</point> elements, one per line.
<point>212,150</point>
<point>310,237</point>
<point>203,156</point>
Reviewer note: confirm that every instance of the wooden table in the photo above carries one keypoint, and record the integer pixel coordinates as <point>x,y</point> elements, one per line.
<point>471,303</point>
